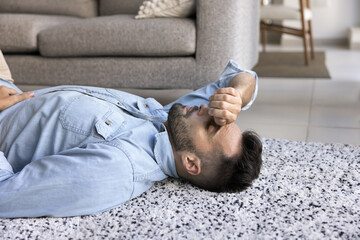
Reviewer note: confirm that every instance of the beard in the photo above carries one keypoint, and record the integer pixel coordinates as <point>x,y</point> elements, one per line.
<point>179,129</point>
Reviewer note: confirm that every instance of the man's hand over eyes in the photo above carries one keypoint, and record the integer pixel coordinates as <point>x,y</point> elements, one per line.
<point>226,104</point>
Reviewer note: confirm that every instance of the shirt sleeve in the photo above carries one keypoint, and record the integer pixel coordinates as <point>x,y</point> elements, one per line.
<point>202,95</point>
<point>6,170</point>
<point>78,181</point>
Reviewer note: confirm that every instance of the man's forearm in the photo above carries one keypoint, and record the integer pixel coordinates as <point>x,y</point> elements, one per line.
<point>245,84</point>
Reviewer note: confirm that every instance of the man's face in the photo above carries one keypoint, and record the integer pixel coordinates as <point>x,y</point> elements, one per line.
<point>194,130</point>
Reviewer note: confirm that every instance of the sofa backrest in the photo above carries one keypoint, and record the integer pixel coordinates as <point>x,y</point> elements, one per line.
<point>77,8</point>
<point>111,7</point>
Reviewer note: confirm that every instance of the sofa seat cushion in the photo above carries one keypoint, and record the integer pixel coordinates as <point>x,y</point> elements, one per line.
<point>112,72</point>
<point>77,8</point>
<point>18,32</point>
<point>120,35</point>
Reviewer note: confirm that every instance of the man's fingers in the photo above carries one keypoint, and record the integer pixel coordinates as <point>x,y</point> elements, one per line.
<point>225,98</point>
<point>219,113</point>
<point>6,91</point>
<point>225,106</point>
<point>25,96</point>
<point>228,90</point>
<point>223,114</point>
<point>220,121</point>
<point>12,91</point>
<point>6,102</point>
<point>224,110</point>
<point>9,101</point>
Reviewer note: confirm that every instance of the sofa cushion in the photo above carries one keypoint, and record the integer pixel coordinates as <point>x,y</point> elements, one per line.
<point>120,35</point>
<point>111,7</point>
<point>112,72</point>
<point>77,8</point>
<point>18,32</point>
<point>166,8</point>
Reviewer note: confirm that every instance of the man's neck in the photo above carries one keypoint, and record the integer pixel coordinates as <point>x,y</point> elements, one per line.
<point>172,146</point>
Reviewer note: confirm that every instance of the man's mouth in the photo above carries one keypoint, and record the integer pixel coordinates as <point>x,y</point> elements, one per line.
<point>190,110</point>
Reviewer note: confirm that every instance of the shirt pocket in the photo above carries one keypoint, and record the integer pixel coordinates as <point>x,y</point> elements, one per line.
<point>87,116</point>
<point>110,125</point>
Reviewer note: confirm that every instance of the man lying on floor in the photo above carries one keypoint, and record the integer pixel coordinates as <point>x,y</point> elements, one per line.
<point>76,150</point>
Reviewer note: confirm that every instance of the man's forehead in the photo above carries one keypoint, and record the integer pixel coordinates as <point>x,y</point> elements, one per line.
<point>229,138</point>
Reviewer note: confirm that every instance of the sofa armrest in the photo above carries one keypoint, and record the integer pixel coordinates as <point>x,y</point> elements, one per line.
<point>225,30</point>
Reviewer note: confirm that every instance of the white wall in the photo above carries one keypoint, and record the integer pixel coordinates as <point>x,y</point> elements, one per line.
<point>332,19</point>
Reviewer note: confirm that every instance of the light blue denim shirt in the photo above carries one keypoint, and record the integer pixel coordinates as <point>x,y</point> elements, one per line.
<point>76,150</point>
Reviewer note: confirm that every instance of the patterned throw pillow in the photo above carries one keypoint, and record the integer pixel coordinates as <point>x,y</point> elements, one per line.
<point>166,8</point>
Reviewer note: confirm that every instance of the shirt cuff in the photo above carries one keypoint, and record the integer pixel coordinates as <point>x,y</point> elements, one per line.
<point>231,70</point>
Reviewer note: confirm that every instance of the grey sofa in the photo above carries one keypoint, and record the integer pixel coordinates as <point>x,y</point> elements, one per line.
<point>99,43</point>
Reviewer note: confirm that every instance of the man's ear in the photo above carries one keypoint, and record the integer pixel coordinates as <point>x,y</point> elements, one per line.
<point>191,163</point>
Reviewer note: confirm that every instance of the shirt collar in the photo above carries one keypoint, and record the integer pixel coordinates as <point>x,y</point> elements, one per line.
<point>164,154</point>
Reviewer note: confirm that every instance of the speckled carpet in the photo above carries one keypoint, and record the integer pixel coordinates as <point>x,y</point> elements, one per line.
<point>305,191</point>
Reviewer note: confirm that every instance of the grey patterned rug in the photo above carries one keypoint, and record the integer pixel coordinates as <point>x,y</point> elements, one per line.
<point>306,191</point>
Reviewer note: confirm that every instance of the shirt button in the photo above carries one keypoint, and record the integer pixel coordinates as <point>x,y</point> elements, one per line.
<point>145,105</point>
<point>107,122</point>
<point>119,104</point>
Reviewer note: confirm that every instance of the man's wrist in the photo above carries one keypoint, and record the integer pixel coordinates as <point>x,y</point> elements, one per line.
<point>244,83</point>
<point>241,94</point>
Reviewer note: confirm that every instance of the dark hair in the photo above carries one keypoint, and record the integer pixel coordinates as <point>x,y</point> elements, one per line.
<point>236,173</point>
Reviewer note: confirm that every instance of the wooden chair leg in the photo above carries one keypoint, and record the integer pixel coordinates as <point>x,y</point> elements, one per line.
<point>304,33</point>
<point>306,50</point>
<point>311,40</point>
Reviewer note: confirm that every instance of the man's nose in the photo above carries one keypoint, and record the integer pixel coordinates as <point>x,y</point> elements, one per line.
<point>204,110</point>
